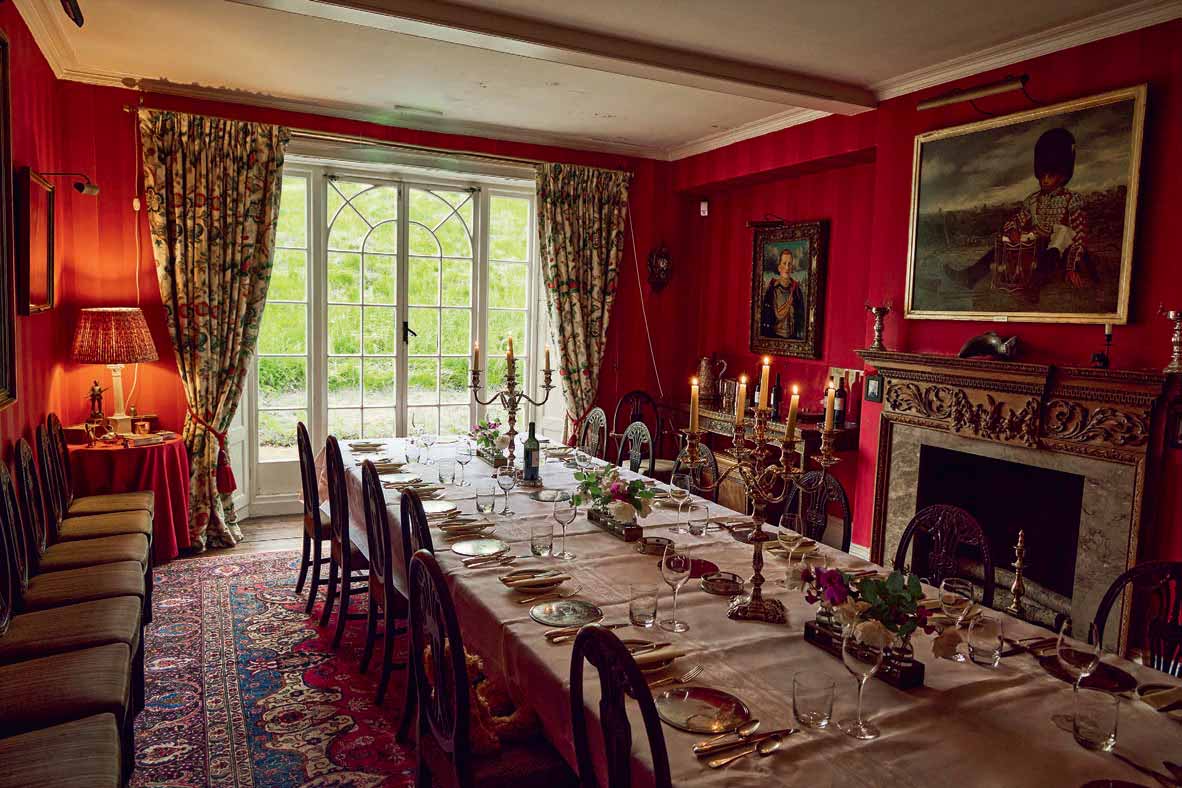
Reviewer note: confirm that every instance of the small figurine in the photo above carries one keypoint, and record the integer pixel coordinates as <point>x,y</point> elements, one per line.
<point>96,401</point>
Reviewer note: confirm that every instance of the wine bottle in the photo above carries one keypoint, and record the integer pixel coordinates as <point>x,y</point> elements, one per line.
<point>777,398</point>
<point>533,453</point>
<point>839,399</point>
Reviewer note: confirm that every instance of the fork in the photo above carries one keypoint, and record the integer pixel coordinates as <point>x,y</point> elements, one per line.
<point>684,678</point>
<point>550,595</point>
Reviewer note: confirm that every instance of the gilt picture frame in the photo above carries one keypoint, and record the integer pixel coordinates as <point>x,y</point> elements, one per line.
<point>7,271</point>
<point>788,288</point>
<point>1028,217</point>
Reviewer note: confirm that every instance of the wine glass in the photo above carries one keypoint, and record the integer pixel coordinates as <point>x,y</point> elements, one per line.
<point>506,480</point>
<point>679,490</point>
<point>956,598</point>
<point>413,450</point>
<point>429,439</point>
<point>863,661</point>
<point>676,565</point>
<point>565,512</point>
<point>1079,660</point>
<point>463,457</point>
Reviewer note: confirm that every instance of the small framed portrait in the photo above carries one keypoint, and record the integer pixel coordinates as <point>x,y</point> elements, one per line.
<point>141,427</point>
<point>788,289</point>
<point>873,390</point>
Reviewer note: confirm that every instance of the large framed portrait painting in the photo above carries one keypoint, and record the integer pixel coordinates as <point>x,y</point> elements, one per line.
<point>1028,217</point>
<point>788,288</point>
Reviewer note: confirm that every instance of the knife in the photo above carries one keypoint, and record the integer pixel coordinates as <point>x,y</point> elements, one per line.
<point>702,750</point>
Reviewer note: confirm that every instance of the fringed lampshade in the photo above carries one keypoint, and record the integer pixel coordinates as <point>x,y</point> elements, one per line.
<point>114,336</point>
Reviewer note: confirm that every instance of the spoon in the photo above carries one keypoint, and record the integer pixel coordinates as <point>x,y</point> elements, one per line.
<point>765,747</point>
<point>743,731</point>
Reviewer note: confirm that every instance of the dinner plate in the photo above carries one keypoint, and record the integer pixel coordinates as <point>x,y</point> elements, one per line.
<point>401,478</point>
<point>439,507</point>
<point>701,709</point>
<point>549,496</point>
<point>470,548</point>
<point>670,503</point>
<point>565,613</point>
<point>652,545</point>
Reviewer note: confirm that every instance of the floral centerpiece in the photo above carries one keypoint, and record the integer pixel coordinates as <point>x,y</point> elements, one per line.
<point>603,489</point>
<point>490,441</point>
<point>883,613</point>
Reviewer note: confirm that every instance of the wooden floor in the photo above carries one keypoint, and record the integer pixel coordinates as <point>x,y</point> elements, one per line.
<point>263,534</point>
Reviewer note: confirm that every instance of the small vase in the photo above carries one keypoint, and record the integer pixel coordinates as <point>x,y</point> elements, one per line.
<point>828,622</point>
<point>900,657</point>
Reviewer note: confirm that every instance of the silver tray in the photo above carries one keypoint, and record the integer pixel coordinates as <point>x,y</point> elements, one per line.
<point>701,709</point>
<point>470,548</point>
<point>549,496</point>
<point>565,613</point>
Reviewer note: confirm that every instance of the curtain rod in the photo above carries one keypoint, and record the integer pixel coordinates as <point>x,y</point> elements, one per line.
<point>356,139</point>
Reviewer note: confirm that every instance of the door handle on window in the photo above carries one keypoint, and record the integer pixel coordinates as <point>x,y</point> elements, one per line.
<point>407,333</point>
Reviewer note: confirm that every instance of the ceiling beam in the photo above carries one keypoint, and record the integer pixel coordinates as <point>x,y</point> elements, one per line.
<point>476,27</point>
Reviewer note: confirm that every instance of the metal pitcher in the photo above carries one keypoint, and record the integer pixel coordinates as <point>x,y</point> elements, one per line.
<point>710,371</point>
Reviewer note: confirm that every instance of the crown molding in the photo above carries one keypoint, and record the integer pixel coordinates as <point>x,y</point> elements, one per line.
<point>45,26</point>
<point>756,128</point>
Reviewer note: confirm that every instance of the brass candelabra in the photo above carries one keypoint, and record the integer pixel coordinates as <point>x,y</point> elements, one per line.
<point>767,474</point>
<point>510,398</point>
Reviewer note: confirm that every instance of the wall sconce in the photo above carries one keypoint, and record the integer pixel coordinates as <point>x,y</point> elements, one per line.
<point>85,186</point>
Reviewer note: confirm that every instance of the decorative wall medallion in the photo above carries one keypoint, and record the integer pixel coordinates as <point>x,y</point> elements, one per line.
<point>1071,421</point>
<point>660,268</point>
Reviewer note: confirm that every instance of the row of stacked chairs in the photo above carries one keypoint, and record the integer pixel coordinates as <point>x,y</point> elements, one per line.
<point>75,595</point>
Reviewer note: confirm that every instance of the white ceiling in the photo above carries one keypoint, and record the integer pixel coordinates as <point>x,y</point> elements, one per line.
<point>337,68</point>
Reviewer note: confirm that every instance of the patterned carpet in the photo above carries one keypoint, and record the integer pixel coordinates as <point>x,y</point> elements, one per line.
<point>245,690</point>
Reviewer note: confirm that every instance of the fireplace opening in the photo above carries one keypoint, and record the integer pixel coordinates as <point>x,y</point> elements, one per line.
<point>1007,497</point>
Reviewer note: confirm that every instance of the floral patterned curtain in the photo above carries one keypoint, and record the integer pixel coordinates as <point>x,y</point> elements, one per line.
<point>212,187</point>
<point>582,213</point>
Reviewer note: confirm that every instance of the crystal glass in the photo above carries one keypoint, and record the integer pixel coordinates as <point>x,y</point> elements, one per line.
<point>506,480</point>
<point>679,490</point>
<point>413,450</point>
<point>565,512</point>
<point>447,469</point>
<point>429,439</point>
<point>541,540</point>
<point>790,523</point>
<point>1096,714</point>
<point>985,640</point>
<point>676,565</point>
<point>486,498</point>
<point>956,598</point>
<point>698,521</point>
<point>1080,660</point>
<point>863,661</point>
<point>642,605</point>
<point>464,455</point>
<point>812,698</point>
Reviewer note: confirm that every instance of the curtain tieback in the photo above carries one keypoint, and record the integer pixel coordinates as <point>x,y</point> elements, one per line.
<point>575,423</point>
<point>225,474</point>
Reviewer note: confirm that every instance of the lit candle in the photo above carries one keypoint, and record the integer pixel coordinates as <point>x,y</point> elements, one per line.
<point>509,352</point>
<point>1108,329</point>
<point>693,427</point>
<point>476,356</point>
<point>830,393</point>
<point>793,404</point>
<point>741,401</point>
<point>763,386</point>
<point>547,358</point>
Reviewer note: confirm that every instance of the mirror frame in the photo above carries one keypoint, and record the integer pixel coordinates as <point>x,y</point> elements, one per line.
<point>7,318</point>
<point>27,181</point>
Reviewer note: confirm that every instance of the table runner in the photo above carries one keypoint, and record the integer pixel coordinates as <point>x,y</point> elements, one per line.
<point>967,726</point>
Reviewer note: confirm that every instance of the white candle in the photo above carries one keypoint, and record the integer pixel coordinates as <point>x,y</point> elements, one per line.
<point>547,358</point>
<point>693,427</point>
<point>763,382</point>
<point>509,352</point>
<point>476,356</point>
<point>793,404</point>
<point>741,401</point>
<point>1108,329</point>
<point>830,393</point>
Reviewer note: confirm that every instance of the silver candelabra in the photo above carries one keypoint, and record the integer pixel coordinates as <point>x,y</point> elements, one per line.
<point>510,398</point>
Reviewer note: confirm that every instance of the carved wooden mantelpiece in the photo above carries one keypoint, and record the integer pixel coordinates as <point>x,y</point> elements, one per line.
<point>1099,413</point>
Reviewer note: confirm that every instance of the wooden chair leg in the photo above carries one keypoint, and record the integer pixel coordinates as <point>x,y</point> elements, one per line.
<point>330,597</point>
<point>371,631</point>
<point>409,705</point>
<point>149,583</point>
<point>343,613</point>
<point>387,662</point>
<point>138,677</point>
<point>315,589</point>
<point>304,560</point>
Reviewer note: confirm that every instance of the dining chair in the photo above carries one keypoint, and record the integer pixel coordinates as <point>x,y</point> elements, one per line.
<point>619,679</point>
<point>820,491</point>
<point>416,535</point>
<point>636,446</point>
<point>347,568</point>
<point>945,529</point>
<point>444,748</point>
<point>708,469</point>
<point>57,452</point>
<point>384,599</point>
<point>593,433</point>
<point>1157,594</point>
<point>316,529</point>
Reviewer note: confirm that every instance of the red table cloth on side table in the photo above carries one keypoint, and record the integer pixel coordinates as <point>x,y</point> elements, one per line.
<point>162,468</point>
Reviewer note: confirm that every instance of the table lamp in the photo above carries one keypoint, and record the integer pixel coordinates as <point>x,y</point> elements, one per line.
<point>114,336</point>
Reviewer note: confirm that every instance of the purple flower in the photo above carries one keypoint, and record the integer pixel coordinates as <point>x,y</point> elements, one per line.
<point>833,586</point>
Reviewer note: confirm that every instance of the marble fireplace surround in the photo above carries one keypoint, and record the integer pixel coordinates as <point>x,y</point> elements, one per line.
<point>1090,422</point>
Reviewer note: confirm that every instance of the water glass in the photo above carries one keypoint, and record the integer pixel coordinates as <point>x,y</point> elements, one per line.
<point>507,480</point>
<point>447,469</point>
<point>1096,714</point>
<point>486,498</point>
<point>565,513</point>
<point>429,439</point>
<point>642,605</point>
<point>541,540</point>
<point>812,698</point>
<point>862,661</point>
<point>985,640</point>
<point>464,455</point>
<point>676,567</point>
<point>699,521</point>
<point>679,491</point>
<point>1079,660</point>
<point>413,451</point>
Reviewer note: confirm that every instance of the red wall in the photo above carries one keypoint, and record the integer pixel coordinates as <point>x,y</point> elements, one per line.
<point>875,200</point>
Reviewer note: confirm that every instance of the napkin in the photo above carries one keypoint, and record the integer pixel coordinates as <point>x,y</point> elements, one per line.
<point>661,655</point>
<point>1162,698</point>
<point>530,582</point>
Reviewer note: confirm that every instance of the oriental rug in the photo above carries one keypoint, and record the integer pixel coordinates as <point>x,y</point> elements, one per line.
<point>244,690</point>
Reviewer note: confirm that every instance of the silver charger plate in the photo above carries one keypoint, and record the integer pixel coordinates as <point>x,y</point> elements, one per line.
<point>565,613</point>
<point>701,709</point>
<point>470,548</point>
<point>439,507</point>
<point>549,496</point>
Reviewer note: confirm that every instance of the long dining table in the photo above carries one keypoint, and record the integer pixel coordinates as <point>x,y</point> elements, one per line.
<point>966,725</point>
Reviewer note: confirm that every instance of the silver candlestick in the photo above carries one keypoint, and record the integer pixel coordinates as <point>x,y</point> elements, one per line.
<point>510,398</point>
<point>879,313</point>
<point>1175,365</point>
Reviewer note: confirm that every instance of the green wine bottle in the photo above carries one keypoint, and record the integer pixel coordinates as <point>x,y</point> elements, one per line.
<point>533,455</point>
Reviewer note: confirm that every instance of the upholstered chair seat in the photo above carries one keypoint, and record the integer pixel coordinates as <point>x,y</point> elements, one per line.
<point>94,526</point>
<point>72,586</point>
<point>48,691</point>
<point>43,633</point>
<point>144,501</point>
<point>91,552</point>
<point>84,753</point>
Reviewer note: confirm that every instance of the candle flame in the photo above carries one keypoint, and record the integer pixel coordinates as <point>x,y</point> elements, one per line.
<point>742,378</point>
<point>795,389</point>
<point>767,360</point>
<point>693,381</point>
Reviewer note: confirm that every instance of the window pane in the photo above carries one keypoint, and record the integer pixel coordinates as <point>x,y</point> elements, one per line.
<point>344,329</point>
<point>277,434</point>
<point>424,322</point>
<point>501,326</point>
<point>423,281</point>
<point>380,334</point>
<point>345,424</point>
<point>454,380</point>
<point>508,228</point>
<point>457,282</point>
<point>383,239</point>
<point>507,285</point>
<point>292,229</point>
<point>422,241</point>
<point>379,381</point>
<point>344,382</point>
<point>283,382</point>
<point>422,376</point>
<point>344,277</point>
<point>379,204</point>
<point>284,329</point>
<point>494,379</point>
<point>454,238</point>
<point>454,420</point>
<point>381,279</point>
<point>457,330</point>
<point>426,419</point>
<point>348,231</point>
<point>378,422</point>
<point>428,208</point>
<point>288,276</point>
